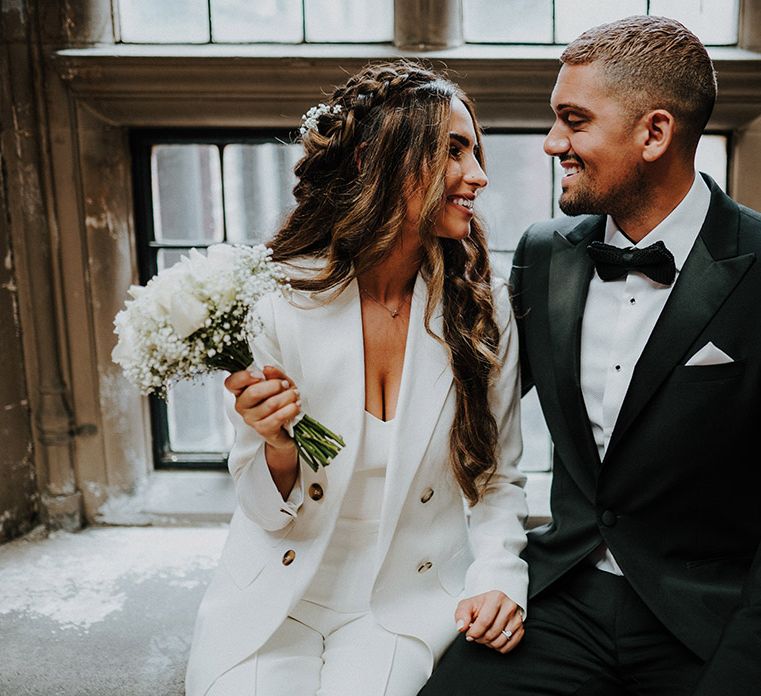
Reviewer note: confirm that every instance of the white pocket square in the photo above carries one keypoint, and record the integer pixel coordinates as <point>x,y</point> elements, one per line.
<point>709,354</point>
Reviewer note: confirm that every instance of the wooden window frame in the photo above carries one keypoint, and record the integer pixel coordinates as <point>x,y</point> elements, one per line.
<point>95,94</point>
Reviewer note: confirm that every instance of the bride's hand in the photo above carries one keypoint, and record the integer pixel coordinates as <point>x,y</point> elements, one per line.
<point>267,401</point>
<point>489,619</point>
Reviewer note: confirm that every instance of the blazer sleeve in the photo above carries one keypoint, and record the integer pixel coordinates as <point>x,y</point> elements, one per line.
<point>735,668</point>
<point>497,521</point>
<point>255,490</point>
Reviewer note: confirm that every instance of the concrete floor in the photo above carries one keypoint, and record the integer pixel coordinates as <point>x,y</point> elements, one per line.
<point>105,611</point>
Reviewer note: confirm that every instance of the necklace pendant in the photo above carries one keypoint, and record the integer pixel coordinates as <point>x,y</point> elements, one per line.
<point>395,314</point>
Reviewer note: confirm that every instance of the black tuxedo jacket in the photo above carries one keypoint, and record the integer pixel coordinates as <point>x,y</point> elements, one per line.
<point>677,496</point>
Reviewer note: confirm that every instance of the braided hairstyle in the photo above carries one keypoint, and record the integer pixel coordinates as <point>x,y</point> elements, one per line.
<point>361,164</point>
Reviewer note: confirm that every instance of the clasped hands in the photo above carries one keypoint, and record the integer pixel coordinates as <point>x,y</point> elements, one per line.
<point>489,618</point>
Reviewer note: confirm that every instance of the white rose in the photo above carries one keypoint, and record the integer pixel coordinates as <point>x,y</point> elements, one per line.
<point>135,291</point>
<point>187,314</point>
<point>198,265</point>
<point>221,256</point>
<point>125,349</point>
<point>166,284</point>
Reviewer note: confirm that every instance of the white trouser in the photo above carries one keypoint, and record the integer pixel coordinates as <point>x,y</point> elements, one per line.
<point>321,652</point>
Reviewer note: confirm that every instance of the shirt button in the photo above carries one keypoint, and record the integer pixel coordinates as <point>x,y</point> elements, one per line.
<point>316,492</point>
<point>632,300</point>
<point>288,557</point>
<point>424,567</point>
<point>427,495</point>
<point>618,368</point>
<point>609,518</point>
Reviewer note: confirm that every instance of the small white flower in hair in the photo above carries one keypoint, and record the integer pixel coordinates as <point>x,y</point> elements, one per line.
<point>309,120</point>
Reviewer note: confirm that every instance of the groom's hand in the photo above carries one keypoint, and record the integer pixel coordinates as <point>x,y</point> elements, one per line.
<point>489,619</point>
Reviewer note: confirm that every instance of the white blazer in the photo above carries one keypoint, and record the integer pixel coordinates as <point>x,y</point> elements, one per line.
<point>428,555</point>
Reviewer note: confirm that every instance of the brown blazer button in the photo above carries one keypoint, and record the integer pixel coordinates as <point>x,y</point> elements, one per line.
<point>424,567</point>
<point>427,495</point>
<point>316,492</point>
<point>288,557</point>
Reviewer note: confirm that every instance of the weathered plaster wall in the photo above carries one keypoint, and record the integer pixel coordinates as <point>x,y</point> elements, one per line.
<point>19,502</point>
<point>19,494</point>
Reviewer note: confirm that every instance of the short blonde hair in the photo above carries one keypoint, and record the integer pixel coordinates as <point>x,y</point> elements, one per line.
<point>652,63</point>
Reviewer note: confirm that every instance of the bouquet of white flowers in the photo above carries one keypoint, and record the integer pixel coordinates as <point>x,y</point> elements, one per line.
<point>196,317</point>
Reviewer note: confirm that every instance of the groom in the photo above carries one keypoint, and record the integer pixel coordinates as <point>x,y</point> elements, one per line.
<point>640,328</point>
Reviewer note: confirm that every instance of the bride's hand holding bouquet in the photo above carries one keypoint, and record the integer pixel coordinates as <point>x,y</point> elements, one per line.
<point>197,317</point>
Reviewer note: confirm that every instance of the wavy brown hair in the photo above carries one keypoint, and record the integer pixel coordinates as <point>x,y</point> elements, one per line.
<point>361,163</point>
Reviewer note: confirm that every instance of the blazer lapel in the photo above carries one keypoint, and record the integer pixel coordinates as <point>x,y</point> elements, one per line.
<point>426,380</point>
<point>710,273</point>
<point>570,272</point>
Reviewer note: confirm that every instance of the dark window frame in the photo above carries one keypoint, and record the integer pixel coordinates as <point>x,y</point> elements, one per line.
<point>141,142</point>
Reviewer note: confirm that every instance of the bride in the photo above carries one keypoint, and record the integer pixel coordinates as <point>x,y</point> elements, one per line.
<point>354,579</point>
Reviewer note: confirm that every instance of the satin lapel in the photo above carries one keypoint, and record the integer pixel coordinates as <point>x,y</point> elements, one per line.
<point>335,377</point>
<point>426,379</point>
<point>570,272</point>
<point>710,273</point>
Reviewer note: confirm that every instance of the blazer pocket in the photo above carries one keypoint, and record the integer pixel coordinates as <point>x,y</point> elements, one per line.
<point>728,559</point>
<point>709,373</point>
<point>249,548</point>
<point>452,571</point>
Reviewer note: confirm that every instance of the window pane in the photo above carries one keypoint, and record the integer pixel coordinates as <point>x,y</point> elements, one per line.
<point>711,158</point>
<point>349,21</point>
<point>196,416</point>
<point>509,21</point>
<point>279,21</point>
<point>187,193</point>
<point>573,17</point>
<point>537,446</point>
<point>166,258</point>
<point>714,22</point>
<point>168,21</point>
<point>258,184</point>
<point>519,190</point>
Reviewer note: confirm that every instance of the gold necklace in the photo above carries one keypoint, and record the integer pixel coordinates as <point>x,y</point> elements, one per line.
<point>393,312</point>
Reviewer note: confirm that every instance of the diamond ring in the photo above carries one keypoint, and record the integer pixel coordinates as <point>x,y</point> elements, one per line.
<point>507,633</point>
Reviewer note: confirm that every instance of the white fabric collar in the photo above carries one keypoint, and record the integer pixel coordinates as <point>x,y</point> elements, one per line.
<point>678,230</point>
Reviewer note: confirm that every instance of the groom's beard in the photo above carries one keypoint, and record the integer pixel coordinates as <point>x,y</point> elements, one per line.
<point>622,199</point>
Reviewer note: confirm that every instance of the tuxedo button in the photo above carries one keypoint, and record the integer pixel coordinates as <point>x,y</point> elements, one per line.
<point>288,557</point>
<point>609,518</point>
<point>316,492</point>
<point>427,495</point>
<point>424,567</point>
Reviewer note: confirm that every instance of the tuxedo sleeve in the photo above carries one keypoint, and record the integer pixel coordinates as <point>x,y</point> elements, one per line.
<point>497,531</point>
<point>735,668</point>
<point>517,296</point>
<point>255,490</point>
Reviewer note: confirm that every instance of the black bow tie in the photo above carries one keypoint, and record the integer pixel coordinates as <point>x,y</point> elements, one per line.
<point>654,261</point>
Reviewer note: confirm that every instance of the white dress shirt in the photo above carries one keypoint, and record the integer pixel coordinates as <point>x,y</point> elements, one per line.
<point>619,317</point>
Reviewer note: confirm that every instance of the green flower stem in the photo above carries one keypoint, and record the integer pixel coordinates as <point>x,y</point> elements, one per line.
<point>317,445</point>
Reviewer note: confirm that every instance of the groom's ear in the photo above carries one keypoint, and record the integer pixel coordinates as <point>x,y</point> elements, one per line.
<point>659,127</point>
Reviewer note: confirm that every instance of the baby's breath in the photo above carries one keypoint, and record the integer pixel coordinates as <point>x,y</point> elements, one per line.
<point>197,317</point>
<point>225,285</point>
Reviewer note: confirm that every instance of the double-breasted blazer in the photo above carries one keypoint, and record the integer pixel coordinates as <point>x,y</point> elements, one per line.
<point>428,554</point>
<point>676,497</point>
